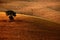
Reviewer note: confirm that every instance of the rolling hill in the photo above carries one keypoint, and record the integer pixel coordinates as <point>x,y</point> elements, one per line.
<point>27,27</point>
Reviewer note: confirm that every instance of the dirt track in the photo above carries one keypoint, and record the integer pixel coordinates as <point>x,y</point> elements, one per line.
<point>28,28</point>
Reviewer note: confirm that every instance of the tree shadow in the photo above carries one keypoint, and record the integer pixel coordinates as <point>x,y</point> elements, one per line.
<point>3,20</point>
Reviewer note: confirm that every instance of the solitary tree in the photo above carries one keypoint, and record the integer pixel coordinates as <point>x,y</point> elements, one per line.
<point>11,14</point>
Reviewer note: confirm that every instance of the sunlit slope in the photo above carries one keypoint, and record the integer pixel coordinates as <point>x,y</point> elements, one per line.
<point>28,28</point>
<point>31,18</point>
